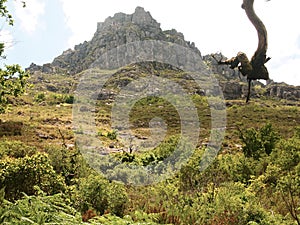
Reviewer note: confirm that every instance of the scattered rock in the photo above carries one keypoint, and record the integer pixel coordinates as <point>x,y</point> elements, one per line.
<point>283,91</point>
<point>111,145</point>
<point>84,109</point>
<point>45,136</point>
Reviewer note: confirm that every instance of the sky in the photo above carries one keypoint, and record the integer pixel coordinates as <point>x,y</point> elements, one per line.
<point>45,28</point>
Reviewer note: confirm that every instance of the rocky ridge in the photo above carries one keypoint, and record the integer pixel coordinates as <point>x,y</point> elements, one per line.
<point>115,31</point>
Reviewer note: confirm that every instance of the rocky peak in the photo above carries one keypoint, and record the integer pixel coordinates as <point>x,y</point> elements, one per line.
<point>115,31</point>
<point>140,16</point>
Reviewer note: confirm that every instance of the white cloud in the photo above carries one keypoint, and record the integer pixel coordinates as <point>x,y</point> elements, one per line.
<point>203,23</point>
<point>82,18</point>
<point>287,72</point>
<point>6,38</point>
<point>214,25</point>
<point>282,24</point>
<point>30,15</point>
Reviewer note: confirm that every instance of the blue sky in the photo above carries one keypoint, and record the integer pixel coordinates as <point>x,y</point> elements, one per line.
<point>41,38</point>
<point>45,28</point>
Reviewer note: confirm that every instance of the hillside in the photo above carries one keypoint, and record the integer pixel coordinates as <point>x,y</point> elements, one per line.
<point>83,114</point>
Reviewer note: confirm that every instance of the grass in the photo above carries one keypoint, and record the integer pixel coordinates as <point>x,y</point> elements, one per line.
<point>44,123</point>
<point>38,124</point>
<point>48,122</point>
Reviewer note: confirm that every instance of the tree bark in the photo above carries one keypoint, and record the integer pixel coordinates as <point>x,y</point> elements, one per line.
<point>258,60</point>
<point>255,68</point>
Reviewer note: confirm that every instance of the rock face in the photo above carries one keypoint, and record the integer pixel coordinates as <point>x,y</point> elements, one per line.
<point>223,70</point>
<point>116,31</point>
<point>283,91</point>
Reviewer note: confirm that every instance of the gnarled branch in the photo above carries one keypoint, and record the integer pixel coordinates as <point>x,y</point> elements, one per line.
<point>255,68</point>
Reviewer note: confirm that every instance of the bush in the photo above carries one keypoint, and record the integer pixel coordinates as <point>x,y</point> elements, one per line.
<point>39,209</point>
<point>60,98</point>
<point>13,80</point>
<point>54,98</point>
<point>22,174</point>
<point>53,209</point>
<point>40,97</point>
<point>297,132</point>
<point>102,195</point>
<point>15,149</point>
<point>257,143</point>
<point>112,135</point>
<point>67,162</point>
<point>279,187</point>
<point>69,99</point>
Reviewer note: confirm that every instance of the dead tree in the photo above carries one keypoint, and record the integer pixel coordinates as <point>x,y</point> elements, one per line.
<point>255,68</point>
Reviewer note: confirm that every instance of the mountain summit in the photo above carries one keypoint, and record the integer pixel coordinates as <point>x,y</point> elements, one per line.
<point>113,32</point>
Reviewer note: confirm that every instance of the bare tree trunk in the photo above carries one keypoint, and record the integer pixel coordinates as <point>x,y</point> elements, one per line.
<point>254,69</point>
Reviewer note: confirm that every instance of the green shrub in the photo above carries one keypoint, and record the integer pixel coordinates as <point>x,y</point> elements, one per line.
<point>279,187</point>
<point>54,209</point>
<point>15,149</point>
<point>40,97</point>
<point>69,99</point>
<point>228,204</point>
<point>67,162</point>
<point>13,80</point>
<point>56,98</point>
<point>39,209</point>
<point>102,195</point>
<point>257,143</point>
<point>109,219</point>
<point>22,174</point>
<point>297,132</point>
<point>164,150</point>
<point>112,135</point>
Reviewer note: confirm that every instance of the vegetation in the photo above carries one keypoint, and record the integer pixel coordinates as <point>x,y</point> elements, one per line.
<point>44,179</point>
<point>12,77</point>
<point>253,180</point>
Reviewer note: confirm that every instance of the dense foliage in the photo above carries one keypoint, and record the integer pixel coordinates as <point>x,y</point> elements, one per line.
<point>238,188</point>
<point>12,77</point>
<point>12,83</point>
